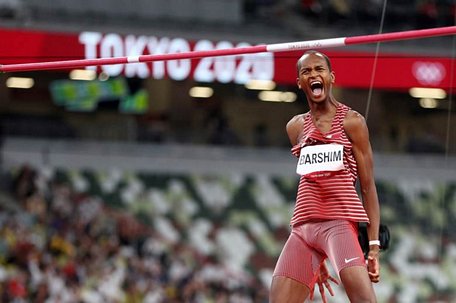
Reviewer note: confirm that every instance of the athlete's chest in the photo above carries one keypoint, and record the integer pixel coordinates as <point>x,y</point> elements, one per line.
<point>319,130</point>
<point>323,124</point>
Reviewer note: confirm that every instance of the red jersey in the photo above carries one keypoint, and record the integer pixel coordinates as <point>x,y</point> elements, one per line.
<point>328,194</point>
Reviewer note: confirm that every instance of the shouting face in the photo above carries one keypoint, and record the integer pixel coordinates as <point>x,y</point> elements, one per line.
<point>315,77</point>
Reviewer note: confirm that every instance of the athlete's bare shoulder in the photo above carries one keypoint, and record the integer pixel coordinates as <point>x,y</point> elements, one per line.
<point>296,119</point>
<point>294,127</point>
<point>353,119</point>
<point>354,124</point>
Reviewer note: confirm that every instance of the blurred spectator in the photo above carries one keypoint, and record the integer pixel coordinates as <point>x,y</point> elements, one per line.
<point>311,8</point>
<point>427,14</point>
<point>221,132</point>
<point>23,183</point>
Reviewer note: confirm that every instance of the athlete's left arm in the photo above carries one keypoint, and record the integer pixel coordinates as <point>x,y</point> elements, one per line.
<point>356,128</point>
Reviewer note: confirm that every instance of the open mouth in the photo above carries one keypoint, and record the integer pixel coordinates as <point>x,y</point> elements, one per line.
<point>316,87</point>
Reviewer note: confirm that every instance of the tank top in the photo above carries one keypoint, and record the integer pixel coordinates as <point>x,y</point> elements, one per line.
<point>330,195</point>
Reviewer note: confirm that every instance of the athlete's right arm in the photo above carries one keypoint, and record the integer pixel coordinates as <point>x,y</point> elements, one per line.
<point>294,128</point>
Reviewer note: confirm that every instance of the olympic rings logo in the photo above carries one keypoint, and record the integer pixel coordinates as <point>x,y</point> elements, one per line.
<point>429,73</point>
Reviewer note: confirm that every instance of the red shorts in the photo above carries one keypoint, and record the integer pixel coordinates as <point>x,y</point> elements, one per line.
<point>311,243</point>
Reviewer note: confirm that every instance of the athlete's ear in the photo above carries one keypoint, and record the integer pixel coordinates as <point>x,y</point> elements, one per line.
<point>297,82</point>
<point>333,77</point>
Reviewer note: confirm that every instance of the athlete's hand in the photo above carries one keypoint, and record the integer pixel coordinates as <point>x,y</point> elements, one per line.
<point>373,265</point>
<point>323,281</point>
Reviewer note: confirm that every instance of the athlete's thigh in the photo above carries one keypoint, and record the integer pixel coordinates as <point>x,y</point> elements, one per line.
<point>341,245</point>
<point>294,273</point>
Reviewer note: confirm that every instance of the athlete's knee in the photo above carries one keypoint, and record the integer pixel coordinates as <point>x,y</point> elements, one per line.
<point>363,298</point>
<point>364,301</point>
<point>357,284</point>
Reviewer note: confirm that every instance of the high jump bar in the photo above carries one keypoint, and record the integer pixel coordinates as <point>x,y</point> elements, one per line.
<point>278,47</point>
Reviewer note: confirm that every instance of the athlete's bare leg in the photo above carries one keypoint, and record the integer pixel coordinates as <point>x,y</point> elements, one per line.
<point>286,290</point>
<point>357,284</point>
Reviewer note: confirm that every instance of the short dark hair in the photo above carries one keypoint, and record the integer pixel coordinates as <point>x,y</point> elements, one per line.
<point>328,61</point>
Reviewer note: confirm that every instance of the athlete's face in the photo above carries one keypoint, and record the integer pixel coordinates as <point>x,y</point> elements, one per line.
<point>315,77</point>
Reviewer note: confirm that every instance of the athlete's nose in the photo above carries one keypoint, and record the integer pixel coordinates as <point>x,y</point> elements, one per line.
<point>313,73</point>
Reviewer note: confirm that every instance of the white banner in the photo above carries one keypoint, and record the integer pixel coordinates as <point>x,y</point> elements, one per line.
<point>320,158</point>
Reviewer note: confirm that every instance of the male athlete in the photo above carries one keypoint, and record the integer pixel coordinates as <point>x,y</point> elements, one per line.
<point>332,144</point>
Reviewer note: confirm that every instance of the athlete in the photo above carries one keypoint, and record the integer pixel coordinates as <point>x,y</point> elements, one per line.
<point>332,144</point>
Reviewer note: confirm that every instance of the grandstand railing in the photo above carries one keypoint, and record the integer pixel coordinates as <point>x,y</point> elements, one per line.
<point>174,158</point>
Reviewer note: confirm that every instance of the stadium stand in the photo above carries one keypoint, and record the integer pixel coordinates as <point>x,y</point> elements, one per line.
<point>123,236</point>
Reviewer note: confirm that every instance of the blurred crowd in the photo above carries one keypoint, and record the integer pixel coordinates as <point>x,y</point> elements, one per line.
<point>72,235</point>
<point>403,13</point>
<point>60,246</point>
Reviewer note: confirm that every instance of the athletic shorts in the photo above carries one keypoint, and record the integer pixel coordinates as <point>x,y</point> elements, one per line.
<point>310,243</point>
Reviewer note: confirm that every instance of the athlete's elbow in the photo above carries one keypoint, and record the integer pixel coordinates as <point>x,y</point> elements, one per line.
<point>367,191</point>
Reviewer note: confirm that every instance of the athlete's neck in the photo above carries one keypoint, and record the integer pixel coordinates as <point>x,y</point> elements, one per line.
<point>324,108</point>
